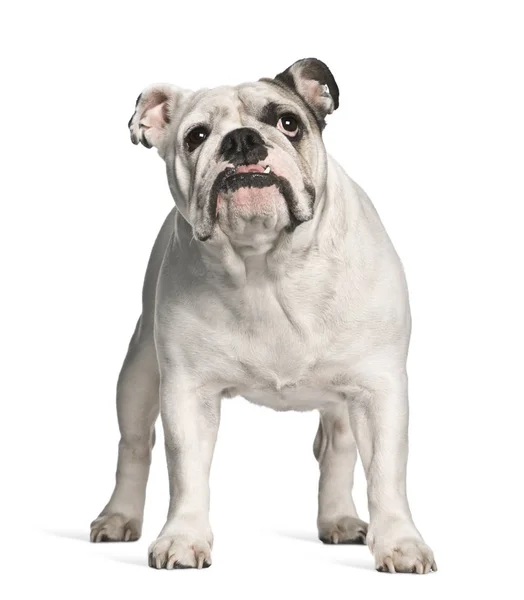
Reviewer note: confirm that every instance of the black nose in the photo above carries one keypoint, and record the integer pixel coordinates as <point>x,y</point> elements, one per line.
<point>243,146</point>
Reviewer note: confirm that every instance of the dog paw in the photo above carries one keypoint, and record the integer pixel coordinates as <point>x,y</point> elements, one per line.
<point>179,552</point>
<point>344,530</point>
<point>115,527</point>
<point>408,555</point>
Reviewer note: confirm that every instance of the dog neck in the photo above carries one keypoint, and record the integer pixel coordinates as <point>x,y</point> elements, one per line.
<point>242,264</point>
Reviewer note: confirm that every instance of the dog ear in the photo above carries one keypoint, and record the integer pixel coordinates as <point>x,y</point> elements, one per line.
<point>154,110</point>
<point>312,80</point>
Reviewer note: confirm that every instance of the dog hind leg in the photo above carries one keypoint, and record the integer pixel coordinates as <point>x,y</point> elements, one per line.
<point>336,451</point>
<point>137,408</point>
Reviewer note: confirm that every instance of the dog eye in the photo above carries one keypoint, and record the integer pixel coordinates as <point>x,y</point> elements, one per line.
<point>195,137</point>
<point>288,124</point>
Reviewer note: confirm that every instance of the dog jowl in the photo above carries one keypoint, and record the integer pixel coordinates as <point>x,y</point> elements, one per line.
<point>272,279</point>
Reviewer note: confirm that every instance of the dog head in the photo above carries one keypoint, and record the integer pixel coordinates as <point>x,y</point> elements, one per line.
<point>245,161</point>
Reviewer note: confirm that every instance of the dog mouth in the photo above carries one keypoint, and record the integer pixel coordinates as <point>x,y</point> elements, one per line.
<point>257,175</point>
<point>232,178</point>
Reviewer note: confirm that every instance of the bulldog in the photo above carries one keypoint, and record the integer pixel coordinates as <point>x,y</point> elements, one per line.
<point>272,279</point>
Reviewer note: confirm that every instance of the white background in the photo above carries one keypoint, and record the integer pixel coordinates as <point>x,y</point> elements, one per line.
<point>430,124</point>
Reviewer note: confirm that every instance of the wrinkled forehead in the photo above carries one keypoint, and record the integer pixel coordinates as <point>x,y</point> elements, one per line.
<point>235,104</point>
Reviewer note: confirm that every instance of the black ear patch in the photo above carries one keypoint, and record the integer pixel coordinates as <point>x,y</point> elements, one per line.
<point>312,68</point>
<point>312,80</point>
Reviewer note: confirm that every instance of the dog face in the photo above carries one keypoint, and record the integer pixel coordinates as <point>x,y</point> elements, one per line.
<point>245,161</point>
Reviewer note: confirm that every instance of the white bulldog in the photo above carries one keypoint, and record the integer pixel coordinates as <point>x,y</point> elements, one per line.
<point>272,279</point>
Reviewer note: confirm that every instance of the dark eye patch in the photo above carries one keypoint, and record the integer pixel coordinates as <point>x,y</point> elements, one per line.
<point>272,112</point>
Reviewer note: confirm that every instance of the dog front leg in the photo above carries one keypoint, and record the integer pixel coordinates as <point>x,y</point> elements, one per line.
<point>379,419</point>
<point>190,419</point>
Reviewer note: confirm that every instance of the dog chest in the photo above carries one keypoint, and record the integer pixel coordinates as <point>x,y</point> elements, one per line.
<point>283,363</point>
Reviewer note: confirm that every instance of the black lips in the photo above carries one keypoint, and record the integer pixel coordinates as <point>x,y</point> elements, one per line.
<point>234,181</point>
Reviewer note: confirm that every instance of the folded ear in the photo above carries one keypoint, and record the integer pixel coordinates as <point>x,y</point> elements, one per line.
<point>311,79</point>
<point>154,110</point>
